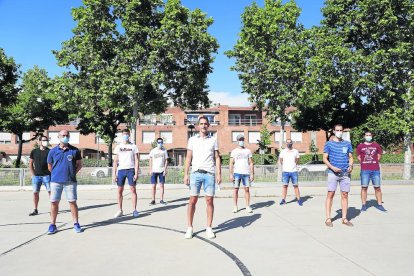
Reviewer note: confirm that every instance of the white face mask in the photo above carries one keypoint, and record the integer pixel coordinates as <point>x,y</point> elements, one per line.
<point>241,143</point>
<point>44,143</point>
<point>338,134</point>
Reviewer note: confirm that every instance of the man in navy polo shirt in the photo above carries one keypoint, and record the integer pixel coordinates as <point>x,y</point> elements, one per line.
<point>64,162</point>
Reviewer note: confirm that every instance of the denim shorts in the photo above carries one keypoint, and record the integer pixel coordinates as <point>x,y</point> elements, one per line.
<point>37,182</point>
<point>124,174</point>
<point>344,182</point>
<point>286,176</point>
<point>206,179</point>
<point>160,176</point>
<point>57,188</point>
<point>374,176</point>
<point>243,178</point>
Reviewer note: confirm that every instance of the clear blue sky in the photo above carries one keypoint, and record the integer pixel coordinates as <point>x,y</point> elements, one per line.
<point>30,30</point>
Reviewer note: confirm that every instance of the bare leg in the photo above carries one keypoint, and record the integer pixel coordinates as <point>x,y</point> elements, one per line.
<point>162,191</point>
<point>154,188</point>
<point>134,197</point>
<point>54,209</point>
<point>378,195</point>
<point>247,196</point>
<point>328,204</point>
<point>74,211</point>
<point>191,209</point>
<point>235,196</point>
<point>120,196</point>
<point>344,203</point>
<point>364,192</point>
<point>284,191</point>
<point>36,199</point>
<point>210,210</point>
<point>297,192</point>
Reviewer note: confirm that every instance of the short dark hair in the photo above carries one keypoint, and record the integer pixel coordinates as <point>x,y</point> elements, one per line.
<point>203,117</point>
<point>367,131</point>
<point>160,139</point>
<point>338,125</point>
<point>126,130</point>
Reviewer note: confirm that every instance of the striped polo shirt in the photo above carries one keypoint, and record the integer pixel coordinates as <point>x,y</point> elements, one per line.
<point>338,153</point>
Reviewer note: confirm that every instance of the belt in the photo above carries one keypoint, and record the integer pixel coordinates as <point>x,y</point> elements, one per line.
<point>203,171</point>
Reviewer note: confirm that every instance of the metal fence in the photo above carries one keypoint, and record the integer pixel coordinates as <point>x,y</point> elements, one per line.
<point>103,175</point>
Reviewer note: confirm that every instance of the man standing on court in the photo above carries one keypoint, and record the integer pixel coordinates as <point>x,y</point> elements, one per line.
<point>241,171</point>
<point>337,155</point>
<point>203,155</point>
<point>369,155</point>
<point>289,158</point>
<point>126,166</point>
<point>39,170</point>
<point>64,162</point>
<point>158,162</point>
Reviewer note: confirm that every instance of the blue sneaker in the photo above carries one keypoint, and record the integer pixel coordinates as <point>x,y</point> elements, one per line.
<point>52,229</point>
<point>381,208</point>
<point>300,202</point>
<point>364,207</point>
<point>135,213</point>
<point>77,227</point>
<point>282,202</point>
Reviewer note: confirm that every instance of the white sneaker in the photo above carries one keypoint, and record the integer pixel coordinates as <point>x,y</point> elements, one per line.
<point>249,210</point>
<point>209,233</point>
<point>118,214</point>
<point>189,233</point>
<point>235,209</point>
<point>135,214</point>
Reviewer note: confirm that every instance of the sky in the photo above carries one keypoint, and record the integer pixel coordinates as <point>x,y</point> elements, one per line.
<point>30,30</point>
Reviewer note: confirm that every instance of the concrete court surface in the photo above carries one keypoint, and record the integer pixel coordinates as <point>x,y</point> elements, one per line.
<point>273,240</point>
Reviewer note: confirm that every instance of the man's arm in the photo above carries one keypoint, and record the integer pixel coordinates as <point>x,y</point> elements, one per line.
<point>136,157</point>
<point>165,166</point>
<point>218,167</point>
<point>327,163</point>
<point>31,166</point>
<point>187,166</point>
<point>115,162</point>
<point>351,162</point>
<point>150,164</point>
<point>251,163</point>
<point>78,165</point>
<point>231,168</point>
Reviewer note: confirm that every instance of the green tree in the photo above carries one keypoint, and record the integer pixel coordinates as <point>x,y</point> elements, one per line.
<point>33,110</point>
<point>265,138</point>
<point>270,56</point>
<point>9,74</point>
<point>130,57</point>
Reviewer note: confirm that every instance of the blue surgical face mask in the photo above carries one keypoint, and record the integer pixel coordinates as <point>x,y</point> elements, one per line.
<point>65,140</point>
<point>241,143</point>
<point>159,145</point>
<point>125,137</point>
<point>368,138</point>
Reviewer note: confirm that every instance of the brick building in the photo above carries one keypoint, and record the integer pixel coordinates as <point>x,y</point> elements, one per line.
<point>175,126</point>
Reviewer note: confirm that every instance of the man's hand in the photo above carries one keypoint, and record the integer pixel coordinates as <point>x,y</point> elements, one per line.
<point>218,179</point>
<point>164,173</point>
<point>335,169</point>
<point>135,177</point>
<point>350,168</point>
<point>231,177</point>
<point>115,178</point>
<point>251,178</point>
<point>186,180</point>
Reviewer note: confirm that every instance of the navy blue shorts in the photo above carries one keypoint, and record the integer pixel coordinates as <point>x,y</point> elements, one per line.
<point>124,174</point>
<point>160,176</point>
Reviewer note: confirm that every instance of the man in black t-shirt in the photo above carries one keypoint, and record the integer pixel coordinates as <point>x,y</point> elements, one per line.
<point>39,170</point>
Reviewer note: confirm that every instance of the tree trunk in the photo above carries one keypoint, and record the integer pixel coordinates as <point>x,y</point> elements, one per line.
<point>327,135</point>
<point>19,151</point>
<point>407,157</point>
<point>110,152</point>
<point>279,166</point>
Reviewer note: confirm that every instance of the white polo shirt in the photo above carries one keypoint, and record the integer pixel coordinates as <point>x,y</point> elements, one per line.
<point>203,153</point>
<point>289,160</point>
<point>241,160</point>
<point>158,157</point>
<point>126,155</point>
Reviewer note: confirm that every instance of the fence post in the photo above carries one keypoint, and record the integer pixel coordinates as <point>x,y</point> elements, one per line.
<point>21,177</point>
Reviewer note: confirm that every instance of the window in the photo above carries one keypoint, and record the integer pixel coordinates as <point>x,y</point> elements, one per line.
<point>251,119</point>
<point>167,136</point>
<point>99,140</point>
<point>277,137</point>
<point>210,119</point>
<point>166,119</point>
<point>148,137</point>
<point>253,137</point>
<point>296,136</point>
<point>5,138</point>
<point>26,137</point>
<point>192,118</point>
<point>54,139</point>
<point>234,119</point>
<point>118,138</point>
<point>234,135</point>
<point>150,119</point>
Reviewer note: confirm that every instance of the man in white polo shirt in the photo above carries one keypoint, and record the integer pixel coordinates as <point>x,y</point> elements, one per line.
<point>289,158</point>
<point>241,171</point>
<point>203,155</point>
<point>158,167</point>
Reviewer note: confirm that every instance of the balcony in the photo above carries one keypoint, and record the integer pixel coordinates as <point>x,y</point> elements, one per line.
<point>245,122</point>
<point>195,122</point>
<point>156,123</point>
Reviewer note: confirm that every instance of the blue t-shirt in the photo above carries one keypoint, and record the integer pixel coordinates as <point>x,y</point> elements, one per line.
<point>63,163</point>
<point>338,154</point>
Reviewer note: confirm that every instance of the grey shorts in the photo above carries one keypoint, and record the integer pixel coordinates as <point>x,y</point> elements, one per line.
<point>343,181</point>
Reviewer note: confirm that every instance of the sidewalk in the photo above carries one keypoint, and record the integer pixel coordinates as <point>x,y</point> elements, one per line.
<point>274,240</point>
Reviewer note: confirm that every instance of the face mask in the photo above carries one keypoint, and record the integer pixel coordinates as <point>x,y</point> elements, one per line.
<point>241,143</point>
<point>338,134</point>
<point>65,140</point>
<point>368,138</point>
<point>125,137</point>
<point>159,145</point>
<point>289,145</point>
<point>44,143</point>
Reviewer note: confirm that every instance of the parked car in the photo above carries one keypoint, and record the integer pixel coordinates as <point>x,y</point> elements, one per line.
<point>105,172</point>
<point>315,166</point>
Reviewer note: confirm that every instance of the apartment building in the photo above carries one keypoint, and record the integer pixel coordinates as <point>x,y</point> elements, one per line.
<point>175,126</point>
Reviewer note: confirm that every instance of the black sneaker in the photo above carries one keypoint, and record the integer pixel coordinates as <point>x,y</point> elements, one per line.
<point>34,213</point>
<point>152,202</point>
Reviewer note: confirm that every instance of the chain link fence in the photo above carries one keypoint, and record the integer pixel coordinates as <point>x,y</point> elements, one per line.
<point>175,175</point>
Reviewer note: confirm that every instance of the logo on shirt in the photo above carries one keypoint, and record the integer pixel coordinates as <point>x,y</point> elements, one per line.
<point>70,157</point>
<point>159,155</point>
<point>125,149</point>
